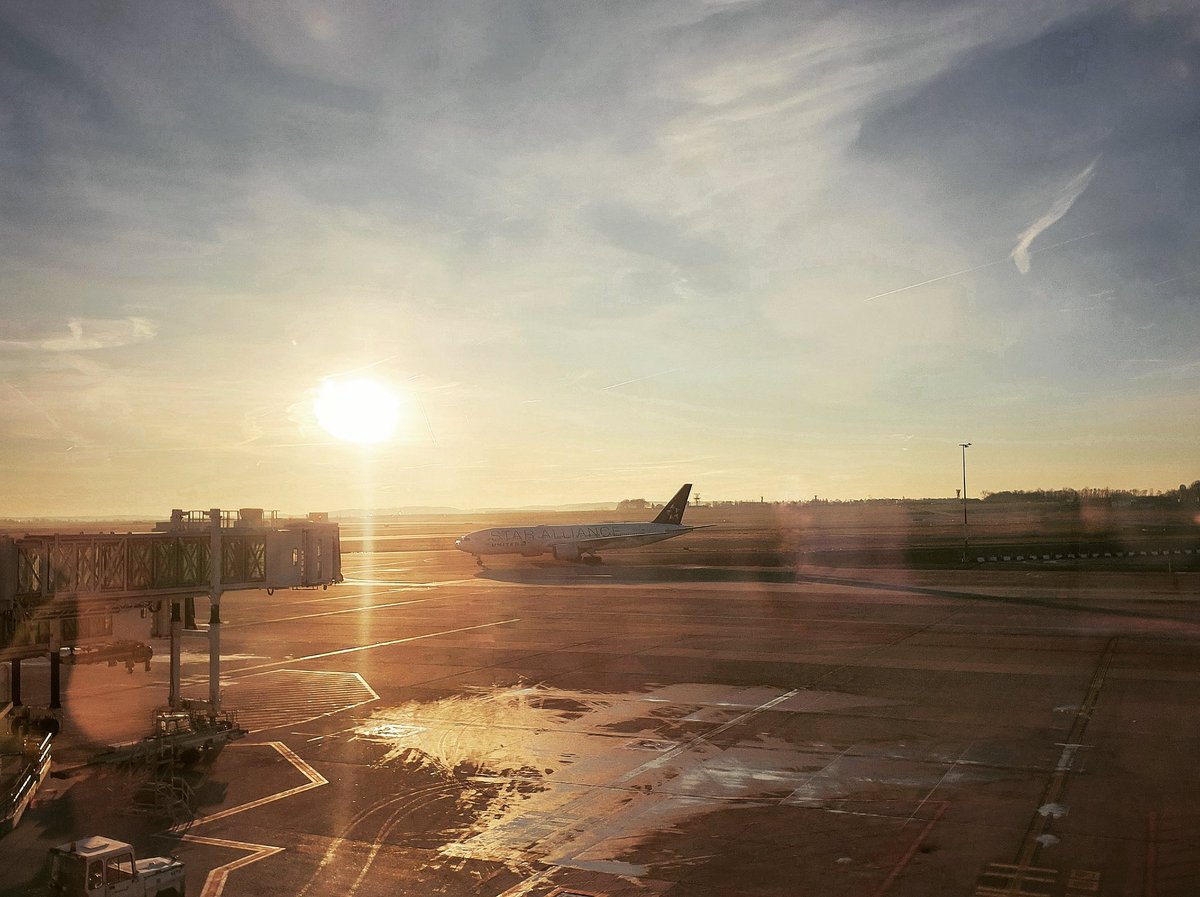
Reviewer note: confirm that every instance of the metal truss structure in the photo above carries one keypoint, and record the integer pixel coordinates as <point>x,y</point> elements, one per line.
<point>56,589</point>
<point>61,591</point>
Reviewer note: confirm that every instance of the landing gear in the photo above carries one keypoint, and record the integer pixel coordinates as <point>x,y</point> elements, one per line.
<point>591,559</point>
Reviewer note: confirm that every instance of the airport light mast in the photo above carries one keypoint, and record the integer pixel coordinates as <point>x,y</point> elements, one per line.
<point>966,540</point>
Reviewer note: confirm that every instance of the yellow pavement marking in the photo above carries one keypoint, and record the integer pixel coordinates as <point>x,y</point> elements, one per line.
<point>214,884</point>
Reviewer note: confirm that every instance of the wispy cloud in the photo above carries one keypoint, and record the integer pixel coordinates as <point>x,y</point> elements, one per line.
<point>88,334</point>
<point>509,211</point>
<point>1062,204</point>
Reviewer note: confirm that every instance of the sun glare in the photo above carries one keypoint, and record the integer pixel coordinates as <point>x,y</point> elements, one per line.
<point>361,411</point>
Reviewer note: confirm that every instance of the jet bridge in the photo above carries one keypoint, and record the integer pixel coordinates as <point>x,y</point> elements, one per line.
<point>60,590</point>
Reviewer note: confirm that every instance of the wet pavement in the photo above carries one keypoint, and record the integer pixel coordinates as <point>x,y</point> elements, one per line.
<point>656,725</point>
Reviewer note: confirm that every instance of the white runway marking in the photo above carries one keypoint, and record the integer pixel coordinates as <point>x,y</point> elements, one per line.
<point>272,696</point>
<point>329,613</point>
<point>667,756</point>
<point>396,641</point>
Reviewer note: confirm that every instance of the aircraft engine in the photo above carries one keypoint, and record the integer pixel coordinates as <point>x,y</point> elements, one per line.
<point>566,552</point>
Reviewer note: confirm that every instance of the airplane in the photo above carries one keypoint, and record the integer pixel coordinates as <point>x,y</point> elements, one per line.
<point>579,541</point>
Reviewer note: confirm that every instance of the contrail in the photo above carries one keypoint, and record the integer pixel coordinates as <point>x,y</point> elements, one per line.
<point>913,286</point>
<point>368,365</point>
<point>1160,283</point>
<point>428,425</point>
<point>639,379</point>
<point>923,283</point>
<point>50,418</point>
<point>1064,242</point>
<point>1061,205</point>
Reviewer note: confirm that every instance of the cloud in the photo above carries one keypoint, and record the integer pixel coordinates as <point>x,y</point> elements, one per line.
<point>700,259</point>
<point>537,200</point>
<point>1089,117</point>
<point>88,334</point>
<point>1062,204</point>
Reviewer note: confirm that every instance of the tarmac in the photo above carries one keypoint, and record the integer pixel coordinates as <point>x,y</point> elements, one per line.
<point>665,724</point>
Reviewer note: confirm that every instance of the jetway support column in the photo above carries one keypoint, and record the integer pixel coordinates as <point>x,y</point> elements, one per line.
<point>176,637</point>
<point>216,565</point>
<point>16,683</point>
<point>55,680</point>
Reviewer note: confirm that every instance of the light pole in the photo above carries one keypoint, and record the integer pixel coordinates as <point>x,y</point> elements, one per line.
<point>966,543</point>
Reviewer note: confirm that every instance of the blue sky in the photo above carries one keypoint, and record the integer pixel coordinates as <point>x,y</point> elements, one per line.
<point>776,249</point>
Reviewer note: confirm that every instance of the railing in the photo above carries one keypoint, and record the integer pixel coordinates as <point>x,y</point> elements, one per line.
<point>47,578</point>
<point>135,562</point>
<point>192,521</point>
<point>20,795</point>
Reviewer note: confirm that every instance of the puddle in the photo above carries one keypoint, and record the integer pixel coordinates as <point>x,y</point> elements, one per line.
<point>557,783</point>
<point>388,732</point>
<point>649,744</point>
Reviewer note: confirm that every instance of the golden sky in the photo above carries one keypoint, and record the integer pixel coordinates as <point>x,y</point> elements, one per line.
<point>589,252</point>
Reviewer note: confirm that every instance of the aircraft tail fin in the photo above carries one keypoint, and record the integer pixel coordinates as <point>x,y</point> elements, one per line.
<point>672,511</point>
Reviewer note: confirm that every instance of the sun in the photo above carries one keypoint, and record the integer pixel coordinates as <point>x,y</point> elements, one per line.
<point>362,411</point>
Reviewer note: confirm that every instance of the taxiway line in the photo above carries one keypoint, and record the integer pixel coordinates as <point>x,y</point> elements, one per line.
<point>330,613</point>
<point>567,858</point>
<point>686,746</point>
<point>214,882</point>
<point>1150,875</point>
<point>907,858</point>
<point>241,671</point>
<point>315,780</point>
<point>1057,785</point>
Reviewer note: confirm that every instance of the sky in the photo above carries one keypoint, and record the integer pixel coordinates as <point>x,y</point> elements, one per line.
<point>595,250</point>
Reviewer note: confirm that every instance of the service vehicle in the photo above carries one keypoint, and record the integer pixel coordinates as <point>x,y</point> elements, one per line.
<point>104,867</point>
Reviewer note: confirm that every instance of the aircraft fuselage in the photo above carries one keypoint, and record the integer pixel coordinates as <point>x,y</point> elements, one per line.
<point>585,537</point>
<point>579,541</point>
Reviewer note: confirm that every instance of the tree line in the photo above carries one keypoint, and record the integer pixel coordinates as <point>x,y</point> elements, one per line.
<point>1185,494</point>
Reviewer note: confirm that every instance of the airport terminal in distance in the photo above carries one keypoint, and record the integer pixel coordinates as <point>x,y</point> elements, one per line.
<point>863,699</point>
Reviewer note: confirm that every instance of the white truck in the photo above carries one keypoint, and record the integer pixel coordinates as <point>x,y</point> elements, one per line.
<point>103,867</point>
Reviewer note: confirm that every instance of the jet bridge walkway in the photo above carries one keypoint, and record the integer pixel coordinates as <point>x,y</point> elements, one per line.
<point>60,590</point>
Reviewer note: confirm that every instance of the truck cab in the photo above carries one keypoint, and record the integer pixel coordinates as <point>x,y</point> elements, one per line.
<point>103,867</point>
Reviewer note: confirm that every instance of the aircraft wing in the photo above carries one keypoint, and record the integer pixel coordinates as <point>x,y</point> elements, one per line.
<point>632,539</point>
<point>600,541</point>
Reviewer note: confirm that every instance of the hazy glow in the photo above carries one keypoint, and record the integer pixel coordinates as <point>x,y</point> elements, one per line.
<point>361,410</point>
<point>600,250</point>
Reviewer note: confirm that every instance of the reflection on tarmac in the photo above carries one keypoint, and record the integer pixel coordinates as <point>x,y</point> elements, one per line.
<point>565,771</point>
